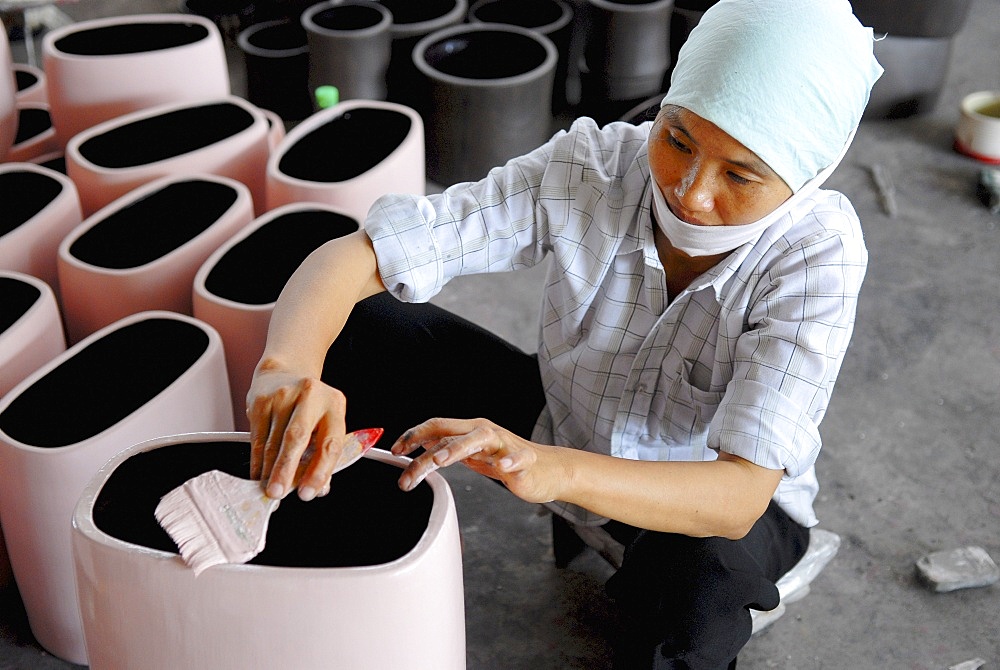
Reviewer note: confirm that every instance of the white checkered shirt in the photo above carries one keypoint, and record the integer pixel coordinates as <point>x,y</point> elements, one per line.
<point>744,360</point>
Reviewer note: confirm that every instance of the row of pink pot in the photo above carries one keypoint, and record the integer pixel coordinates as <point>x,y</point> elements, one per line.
<point>99,433</point>
<point>31,335</point>
<point>152,374</point>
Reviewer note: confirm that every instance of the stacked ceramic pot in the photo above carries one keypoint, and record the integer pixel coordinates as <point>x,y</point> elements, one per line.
<point>552,18</point>
<point>915,48</point>
<point>482,110</point>
<point>626,54</point>
<point>350,45</point>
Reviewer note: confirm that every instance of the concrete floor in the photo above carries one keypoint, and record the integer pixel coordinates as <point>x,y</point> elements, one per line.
<point>911,463</point>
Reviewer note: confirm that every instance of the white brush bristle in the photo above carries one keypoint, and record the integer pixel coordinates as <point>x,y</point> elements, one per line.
<point>216,518</point>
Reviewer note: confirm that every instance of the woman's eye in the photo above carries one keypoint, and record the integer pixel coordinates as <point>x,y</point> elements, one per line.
<point>676,143</point>
<point>738,179</point>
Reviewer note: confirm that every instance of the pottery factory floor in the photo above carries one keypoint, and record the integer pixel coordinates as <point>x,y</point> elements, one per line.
<point>911,463</point>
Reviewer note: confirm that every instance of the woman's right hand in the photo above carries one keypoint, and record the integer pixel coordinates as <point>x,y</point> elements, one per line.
<point>288,414</point>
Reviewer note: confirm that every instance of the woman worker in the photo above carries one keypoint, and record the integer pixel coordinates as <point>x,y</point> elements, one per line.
<point>700,299</point>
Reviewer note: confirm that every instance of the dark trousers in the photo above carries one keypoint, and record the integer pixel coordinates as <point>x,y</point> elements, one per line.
<point>683,600</point>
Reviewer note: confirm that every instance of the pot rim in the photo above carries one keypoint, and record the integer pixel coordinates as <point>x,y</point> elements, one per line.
<point>73,154</point>
<point>213,348</point>
<point>455,15</point>
<point>618,7</point>
<point>243,40</point>
<point>442,509</point>
<point>548,64</point>
<point>265,219</point>
<point>565,16</point>
<point>46,294</point>
<point>316,120</point>
<point>384,24</point>
<point>243,199</point>
<point>976,99</point>
<point>50,50</point>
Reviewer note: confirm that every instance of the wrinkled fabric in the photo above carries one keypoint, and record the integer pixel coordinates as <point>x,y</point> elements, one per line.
<point>789,79</point>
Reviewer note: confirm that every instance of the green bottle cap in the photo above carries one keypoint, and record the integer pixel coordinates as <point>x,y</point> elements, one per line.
<point>327,96</point>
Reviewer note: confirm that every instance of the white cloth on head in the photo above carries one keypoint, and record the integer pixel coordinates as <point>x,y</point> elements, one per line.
<point>789,79</point>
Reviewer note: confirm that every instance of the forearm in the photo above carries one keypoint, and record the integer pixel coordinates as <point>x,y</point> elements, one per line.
<point>316,302</point>
<point>701,499</point>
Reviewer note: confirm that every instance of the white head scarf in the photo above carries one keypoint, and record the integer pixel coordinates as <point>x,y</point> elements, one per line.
<point>788,79</point>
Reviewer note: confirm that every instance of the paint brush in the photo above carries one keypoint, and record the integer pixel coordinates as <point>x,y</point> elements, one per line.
<point>217,518</point>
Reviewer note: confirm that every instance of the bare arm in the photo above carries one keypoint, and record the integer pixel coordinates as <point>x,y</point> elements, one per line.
<point>288,406</point>
<point>715,498</point>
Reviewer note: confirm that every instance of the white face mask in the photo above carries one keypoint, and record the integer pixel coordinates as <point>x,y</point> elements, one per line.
<point>695,240</point>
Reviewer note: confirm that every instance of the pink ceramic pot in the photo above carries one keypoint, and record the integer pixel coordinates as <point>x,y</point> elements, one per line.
<point>31,331</point>
<point>348,155</point>
<point>334,571</point>
<point>275,129</point>
<point>40,207</point>
<point>31,335</point>
<point>143,250</point>
<point>104,68</point>
<point>227,137</point>
<point>152,374</point>
<point>236,288</point>
<point>8,93</point>
<point>32,84</point>
<point>35,135</point>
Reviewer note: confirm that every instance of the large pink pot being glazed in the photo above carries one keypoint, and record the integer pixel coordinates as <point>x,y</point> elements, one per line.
<point>227,137</point>
<point>8,96</point>
<point>366,577</point>
<point>31,335</point>
<point>104,68</point>
<point>349,155</point>
<point>236,288</point>
<point>143,250</point>
<point>152,374</point>
<point>40,208</point>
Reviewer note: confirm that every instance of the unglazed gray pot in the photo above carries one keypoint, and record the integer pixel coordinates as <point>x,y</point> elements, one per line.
<point>627,52</point>
<point>484,110</point>
<point>276,54</point>
<point>552,18</point>
<point>411,22</point>
<point>350,44</point>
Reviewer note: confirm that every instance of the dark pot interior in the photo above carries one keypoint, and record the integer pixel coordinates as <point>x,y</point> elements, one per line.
<point>24,194</point>
<point>254,270</point>
<point>103,383</point>
<point>473,55</point>
<point>406,11</point>
<point>905,18</point>
<point>16,298</point>
<point>128,38</point>
<point>277,36</point>
<point>31,122</point>
<point>162,136</point>
<point>364,520</point>
<point>347,17</point>
<point>154,226</point>
<point>524,13</point>
<point>25,79</point>
<point>346,146</point>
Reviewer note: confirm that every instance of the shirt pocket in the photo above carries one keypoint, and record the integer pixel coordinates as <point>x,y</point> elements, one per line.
<point>681,412</point>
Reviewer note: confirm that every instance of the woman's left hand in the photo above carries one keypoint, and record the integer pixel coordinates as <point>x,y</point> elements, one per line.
<point>532,472</point>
